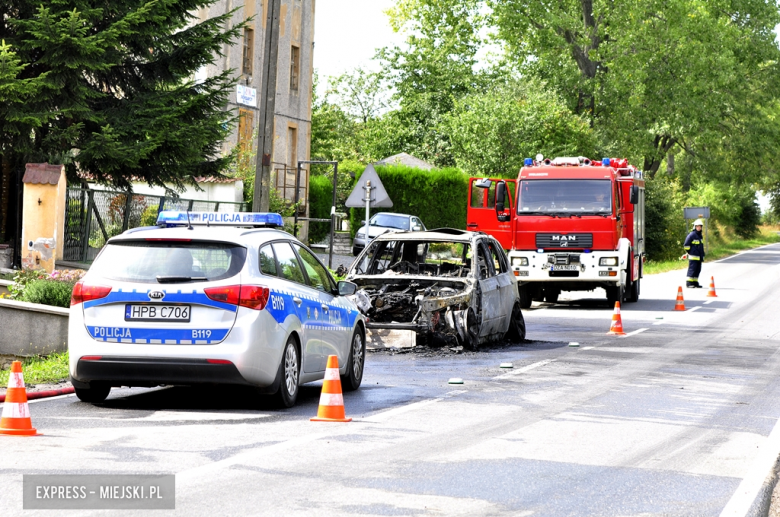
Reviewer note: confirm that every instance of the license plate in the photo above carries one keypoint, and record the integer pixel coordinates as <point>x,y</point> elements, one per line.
<point>569,267</point>
<point>142,312</point>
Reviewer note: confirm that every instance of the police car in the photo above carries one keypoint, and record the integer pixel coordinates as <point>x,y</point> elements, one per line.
<point>211,298</point>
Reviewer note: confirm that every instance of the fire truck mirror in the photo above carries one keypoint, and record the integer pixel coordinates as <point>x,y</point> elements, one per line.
<point>483,183</point>
<point>500,196</point>
<point>634,199</point>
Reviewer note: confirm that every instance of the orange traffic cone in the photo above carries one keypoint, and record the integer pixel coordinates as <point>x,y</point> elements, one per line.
<point>711,292</point>
<point>680,305</point>
<point>331,401</point>
<point>616,329</point>
<point>16,413</point>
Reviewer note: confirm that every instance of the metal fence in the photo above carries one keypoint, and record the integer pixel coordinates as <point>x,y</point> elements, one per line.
<point>94,216</point>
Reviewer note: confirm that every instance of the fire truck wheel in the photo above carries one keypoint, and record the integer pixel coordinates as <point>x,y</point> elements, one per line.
<point>633,292</point>
<point>525,297</point>
<point>615,294</point>
<point>551,295</point>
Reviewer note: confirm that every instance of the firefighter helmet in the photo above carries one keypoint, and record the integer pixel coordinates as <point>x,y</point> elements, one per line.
<point>698,222</point>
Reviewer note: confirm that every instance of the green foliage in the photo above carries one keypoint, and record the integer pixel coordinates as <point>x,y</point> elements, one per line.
<point>21,279</point>
<point>41,369</point>
<point>48,292</point>
<point>149,216</point>
<point>320,199</point>
<point>438,197</point>
<point>665,230</point>
<point>111,83</point>
<point>493,132</point>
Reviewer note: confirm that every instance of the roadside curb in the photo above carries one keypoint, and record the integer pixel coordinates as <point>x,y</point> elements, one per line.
<point>44,394</point>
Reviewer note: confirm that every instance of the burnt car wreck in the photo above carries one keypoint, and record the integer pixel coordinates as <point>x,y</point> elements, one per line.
<point>449,286</point>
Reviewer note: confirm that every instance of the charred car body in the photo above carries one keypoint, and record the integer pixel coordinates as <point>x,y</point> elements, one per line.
<point>450,286</point>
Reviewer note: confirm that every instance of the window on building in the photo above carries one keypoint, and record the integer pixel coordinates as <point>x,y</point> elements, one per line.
<point>295,67</point>
<point>249,43</point>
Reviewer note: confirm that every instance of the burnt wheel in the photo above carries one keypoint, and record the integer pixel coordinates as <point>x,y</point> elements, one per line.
<point>516,331</point>
<point>472,330</point>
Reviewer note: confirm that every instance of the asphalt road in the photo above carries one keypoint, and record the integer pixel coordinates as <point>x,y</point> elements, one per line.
<point>675,419</point>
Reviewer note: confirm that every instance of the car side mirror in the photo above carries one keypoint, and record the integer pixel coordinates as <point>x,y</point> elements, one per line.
<point>347,288</point>
<point>500,196</point>
<point>634,199</point>
<point>416,228</point>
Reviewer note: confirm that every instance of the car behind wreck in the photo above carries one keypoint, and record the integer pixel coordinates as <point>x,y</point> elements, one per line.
<point>450,286</point>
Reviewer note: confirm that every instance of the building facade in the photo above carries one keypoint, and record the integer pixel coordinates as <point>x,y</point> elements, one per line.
<point>295,74</point>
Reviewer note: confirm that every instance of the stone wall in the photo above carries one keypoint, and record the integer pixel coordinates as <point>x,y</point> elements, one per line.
<point>29,328</point>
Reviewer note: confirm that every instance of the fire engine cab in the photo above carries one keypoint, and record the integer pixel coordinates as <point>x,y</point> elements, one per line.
<point>569,224</point>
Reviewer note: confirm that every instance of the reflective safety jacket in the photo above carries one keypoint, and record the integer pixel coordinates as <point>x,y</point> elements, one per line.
<point>694,246</point>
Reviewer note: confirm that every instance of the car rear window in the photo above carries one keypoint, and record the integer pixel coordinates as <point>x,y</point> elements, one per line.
<point>145,261</point>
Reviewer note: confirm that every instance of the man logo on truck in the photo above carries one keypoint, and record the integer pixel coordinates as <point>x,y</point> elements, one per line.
<point>564,238</point>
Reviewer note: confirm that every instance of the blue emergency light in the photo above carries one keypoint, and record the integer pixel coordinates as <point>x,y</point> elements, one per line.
<point>171,218</point>
<point>605,162</point>
<point>528,162</point>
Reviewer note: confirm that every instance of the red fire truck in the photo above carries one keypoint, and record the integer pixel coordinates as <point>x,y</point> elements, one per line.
<point>570,224</point>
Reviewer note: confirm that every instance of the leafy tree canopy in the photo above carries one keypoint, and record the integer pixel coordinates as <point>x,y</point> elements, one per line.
<point>106,87</point>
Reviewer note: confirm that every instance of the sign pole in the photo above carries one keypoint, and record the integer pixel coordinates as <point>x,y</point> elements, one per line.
<point>368,205</point>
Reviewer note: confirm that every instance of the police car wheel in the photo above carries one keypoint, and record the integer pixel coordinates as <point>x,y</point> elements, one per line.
<point>357,360</point>
<point>95,393</point>
<point>289,370</point>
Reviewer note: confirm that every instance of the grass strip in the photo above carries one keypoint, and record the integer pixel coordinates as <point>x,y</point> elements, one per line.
<point>722,247</point>
<point>40,369</point>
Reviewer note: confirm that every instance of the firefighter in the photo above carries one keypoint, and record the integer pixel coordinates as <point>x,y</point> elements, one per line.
<point>694,250</point>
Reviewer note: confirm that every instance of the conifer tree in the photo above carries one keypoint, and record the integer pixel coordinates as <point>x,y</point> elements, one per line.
<point>106,87</point>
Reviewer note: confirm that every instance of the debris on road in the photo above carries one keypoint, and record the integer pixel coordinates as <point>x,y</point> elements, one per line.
<point>507,365</point>
<point>455,380</point>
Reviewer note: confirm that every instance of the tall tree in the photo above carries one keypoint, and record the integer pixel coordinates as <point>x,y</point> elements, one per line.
<point>106,87</point>
<point>653,76</point>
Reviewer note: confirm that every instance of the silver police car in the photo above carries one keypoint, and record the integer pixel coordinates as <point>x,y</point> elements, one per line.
<point>211,298</point>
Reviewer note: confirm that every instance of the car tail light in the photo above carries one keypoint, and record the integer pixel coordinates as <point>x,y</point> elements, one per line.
<point>250,296</point>
<point>91,357</point>
<point>84,292</point>
<point>218,361</point>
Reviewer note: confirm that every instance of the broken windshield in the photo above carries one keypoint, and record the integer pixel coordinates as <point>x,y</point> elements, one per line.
<point>415,258</point>
<point>565,196</point>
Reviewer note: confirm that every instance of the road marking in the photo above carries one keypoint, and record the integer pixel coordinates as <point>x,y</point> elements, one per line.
<point>694,309</point>
<point>386,415</point>
<point>766,456</point>
<point>588,348</point>
<point>523,369</point>
<point>708,302</point>
<point>634,333</point>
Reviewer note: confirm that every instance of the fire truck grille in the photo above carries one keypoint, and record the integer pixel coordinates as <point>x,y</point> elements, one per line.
<point>558,240</point>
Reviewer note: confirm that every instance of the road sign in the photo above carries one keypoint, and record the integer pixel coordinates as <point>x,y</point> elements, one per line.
<point>378,194</point>
<point>696,212</point>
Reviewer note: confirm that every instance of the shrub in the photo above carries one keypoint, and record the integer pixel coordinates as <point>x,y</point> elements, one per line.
<point>320,199</point>
<point>48,292</point>
<point>438,197</point>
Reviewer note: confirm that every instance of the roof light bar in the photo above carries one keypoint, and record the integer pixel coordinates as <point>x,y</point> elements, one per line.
<point>176,218</point>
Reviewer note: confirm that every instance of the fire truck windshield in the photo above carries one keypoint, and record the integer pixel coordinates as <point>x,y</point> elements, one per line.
<point>575,197</point>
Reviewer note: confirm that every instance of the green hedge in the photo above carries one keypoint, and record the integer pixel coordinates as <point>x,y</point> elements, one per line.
<point>48,292</point>
<point>438,197</point>
<point>320,199</point>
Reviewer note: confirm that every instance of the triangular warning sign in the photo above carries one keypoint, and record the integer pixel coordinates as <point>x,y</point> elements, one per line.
<point>379,197</point>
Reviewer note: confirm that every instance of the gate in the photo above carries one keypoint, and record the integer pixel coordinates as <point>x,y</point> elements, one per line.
<point>94,216</point>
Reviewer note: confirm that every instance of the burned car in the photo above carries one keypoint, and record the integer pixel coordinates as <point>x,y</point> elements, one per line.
<point>449,286</point>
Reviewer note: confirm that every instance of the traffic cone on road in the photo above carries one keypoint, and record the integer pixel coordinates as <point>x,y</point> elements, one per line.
<point>16,413</point>
<point>680,305</point>
<point>711,292</point>
<point>331,401</point>
<point>616,329</point>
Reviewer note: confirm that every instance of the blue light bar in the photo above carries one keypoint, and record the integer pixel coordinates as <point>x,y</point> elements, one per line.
<point>528,162</point>
<point>605,162</point>
<point>175,218</point>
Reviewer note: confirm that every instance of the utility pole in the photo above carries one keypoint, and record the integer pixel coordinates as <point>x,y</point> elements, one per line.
<point>265,123</point>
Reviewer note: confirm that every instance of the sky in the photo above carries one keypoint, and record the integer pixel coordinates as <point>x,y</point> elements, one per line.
<point>347,33</point>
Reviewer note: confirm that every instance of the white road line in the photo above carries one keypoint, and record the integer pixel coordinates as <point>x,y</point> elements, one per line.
<point>708,302</point>
<point>523,369</point>
<point>386,415</point>
<point>694,309</point>
<point>634,333</point>
<point>588,348</point>
<point>748,489</point>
